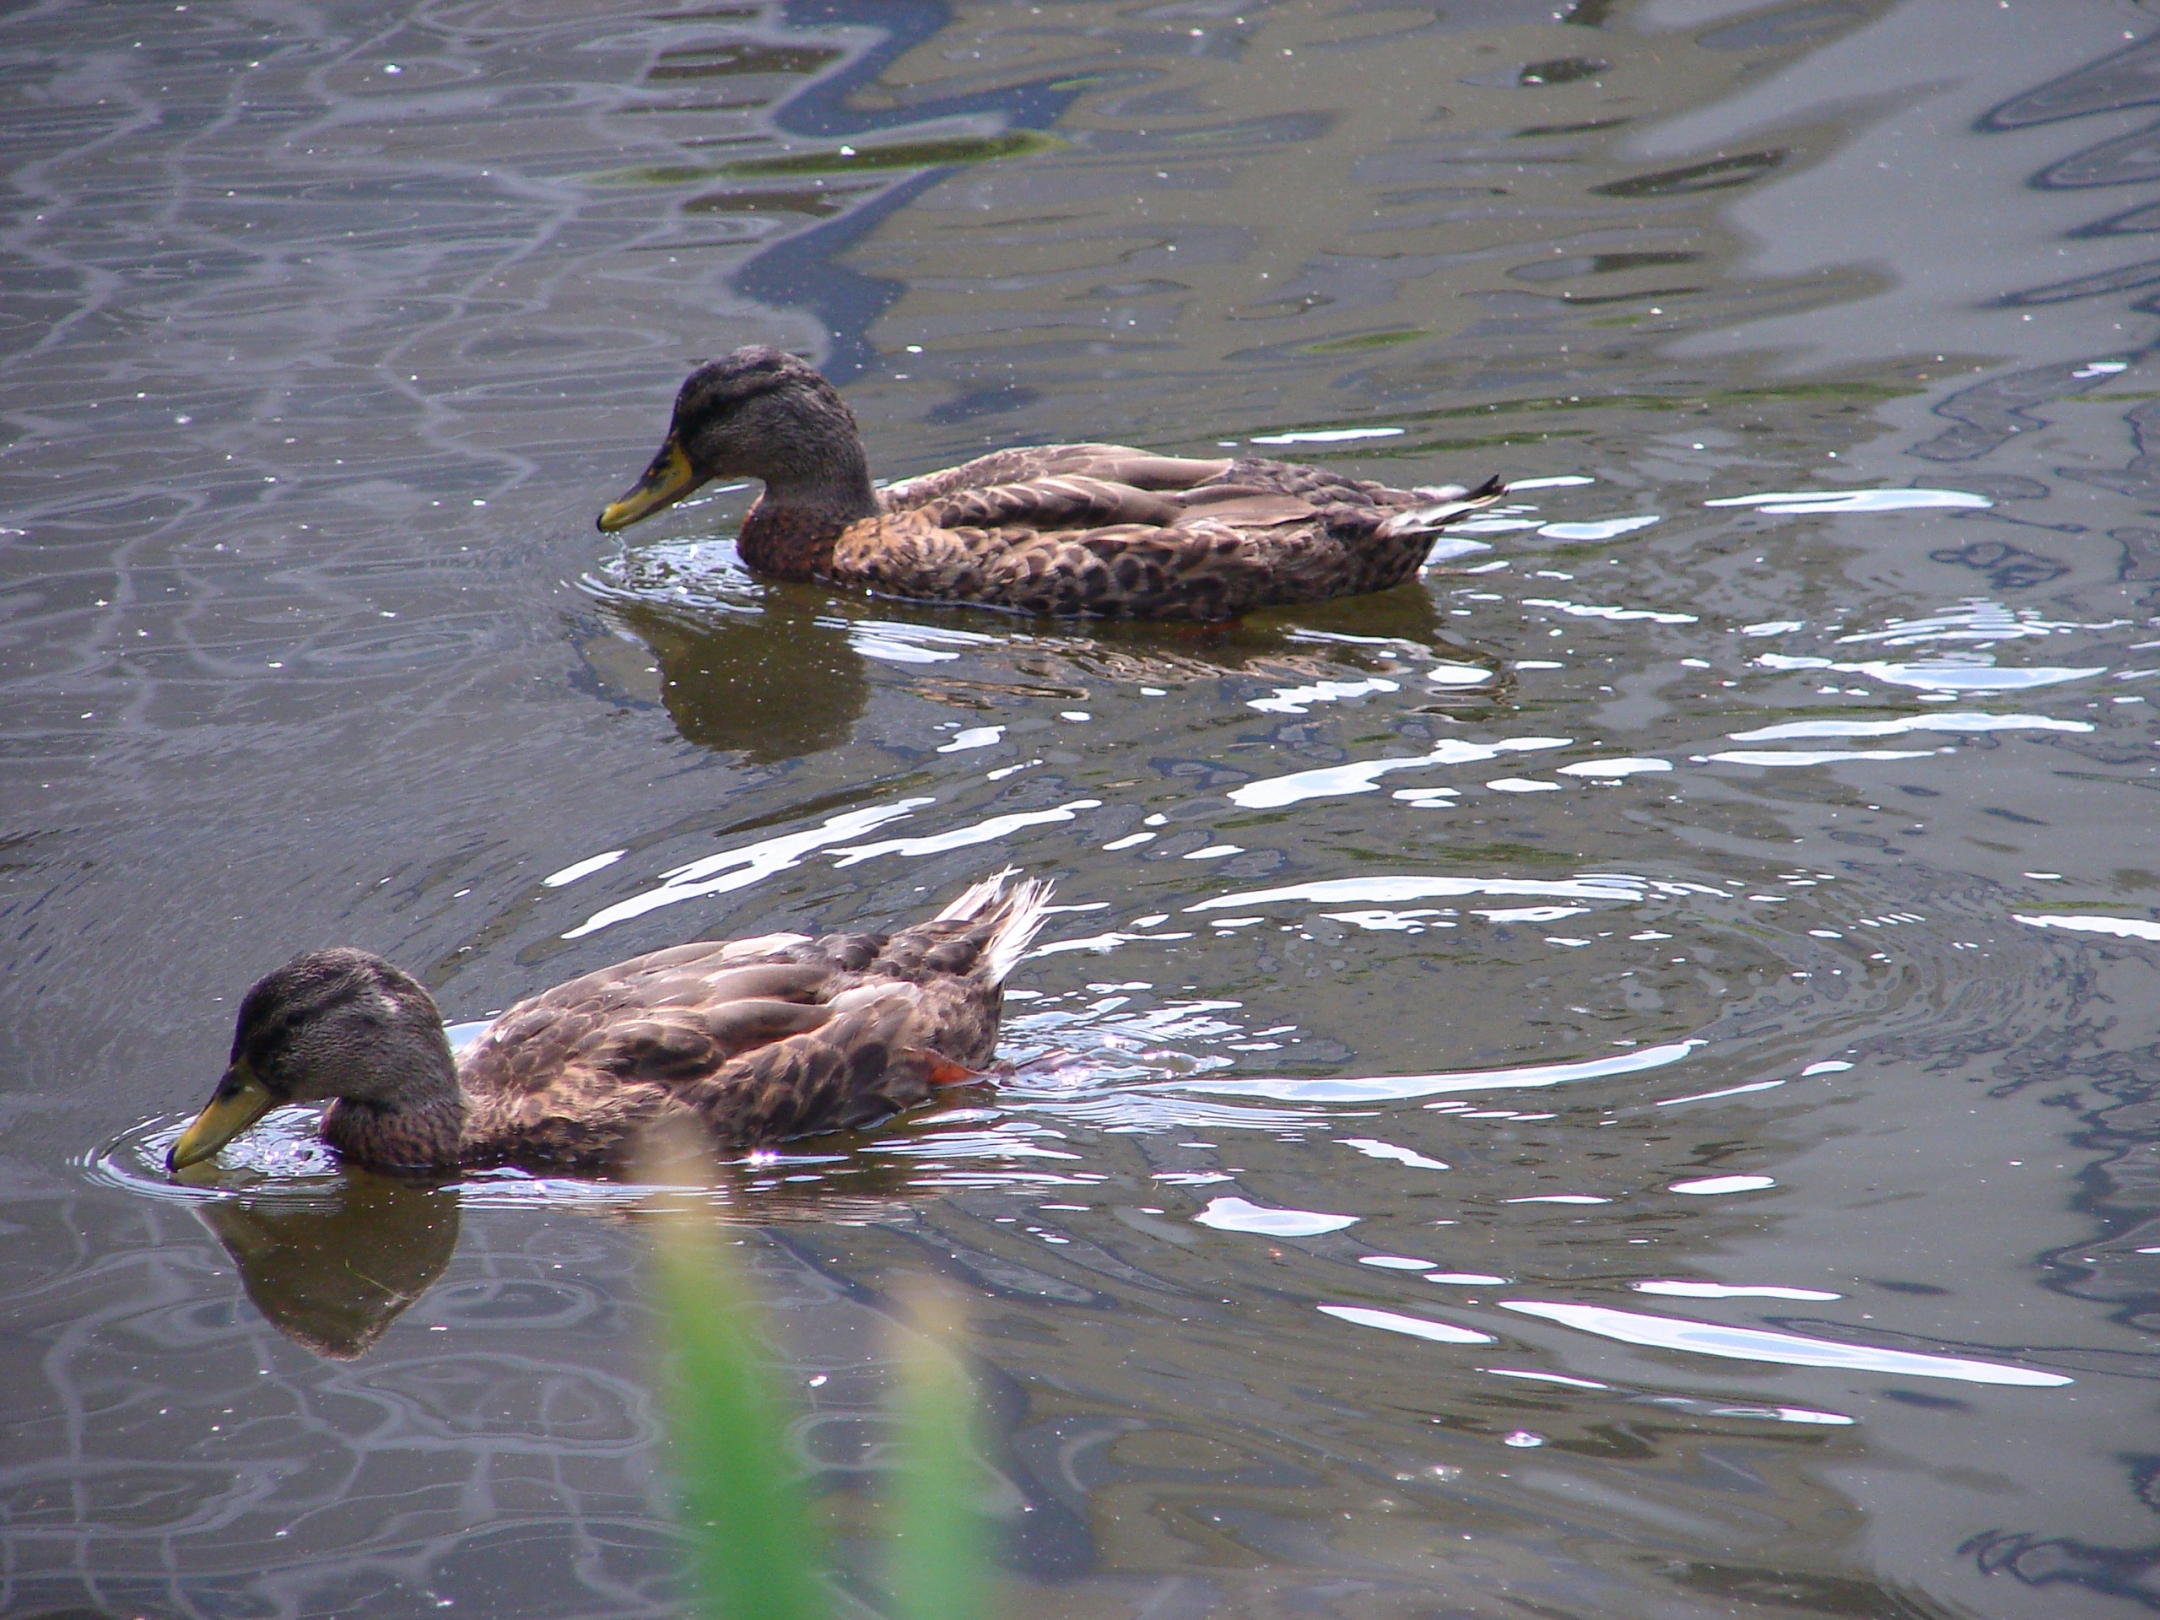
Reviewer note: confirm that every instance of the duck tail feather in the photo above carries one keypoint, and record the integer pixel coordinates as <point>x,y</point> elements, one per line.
<point>1010,920</point>
<point>1021,918</point>
<point>1447,503</point>
<point>977,898</point>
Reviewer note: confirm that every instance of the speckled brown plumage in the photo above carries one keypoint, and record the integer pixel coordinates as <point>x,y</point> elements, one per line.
<point>759,1040</point>
<point>1098,529</point>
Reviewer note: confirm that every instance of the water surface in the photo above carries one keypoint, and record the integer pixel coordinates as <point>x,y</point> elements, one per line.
<point>1617,1081</point>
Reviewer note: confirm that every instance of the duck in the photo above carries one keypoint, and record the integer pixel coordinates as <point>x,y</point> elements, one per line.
<point>757,1040</point>
<point>1067,529</point>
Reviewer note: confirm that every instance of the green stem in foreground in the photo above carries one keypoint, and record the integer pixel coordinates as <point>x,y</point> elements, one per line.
<point>936,1563</point>
<point>757,1554</point>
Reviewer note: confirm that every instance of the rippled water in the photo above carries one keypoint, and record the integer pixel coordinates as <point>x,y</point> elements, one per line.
<point>1617,1082</point>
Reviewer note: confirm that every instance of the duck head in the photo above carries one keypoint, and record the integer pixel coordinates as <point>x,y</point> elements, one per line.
<point>757,413</point>
<point>338,1025</point>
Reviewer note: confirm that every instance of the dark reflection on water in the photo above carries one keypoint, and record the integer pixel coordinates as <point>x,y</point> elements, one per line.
<point>774,672</point>
<point>331,1260</point>
<point>333,1271</point>
<point>778,686</point>
<point>1617,1081</point>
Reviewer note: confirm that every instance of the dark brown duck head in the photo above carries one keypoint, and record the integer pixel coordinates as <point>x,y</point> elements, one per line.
<point>337,1026</point>
<point>761,413</point>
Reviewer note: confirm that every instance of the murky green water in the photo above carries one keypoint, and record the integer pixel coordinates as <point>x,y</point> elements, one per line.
<point>1619,1082</point>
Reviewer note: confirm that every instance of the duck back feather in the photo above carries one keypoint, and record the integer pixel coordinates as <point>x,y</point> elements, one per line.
<point>760,1039</point>
<point>1116,531</point>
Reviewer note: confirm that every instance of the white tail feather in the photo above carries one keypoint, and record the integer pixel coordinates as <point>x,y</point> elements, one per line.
<point>1018,918</point>
<point>1026,913</point>
<point>1437,516</point>
<point>1448,502</point>
<point>976,897</point>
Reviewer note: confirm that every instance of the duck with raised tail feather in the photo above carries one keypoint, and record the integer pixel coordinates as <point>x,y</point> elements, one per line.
<point>1058,529</point>
<point>758,1040</point>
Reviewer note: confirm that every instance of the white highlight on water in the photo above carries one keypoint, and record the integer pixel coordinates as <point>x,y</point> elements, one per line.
<point>1963,721</point>
<point>983,832</point>
<point>1710,1290</point>
<point>1800,756</point>
<point>1364,776</point>
<point>1729,1091</point>
<point>1240,1215</point>
<point>1976,618</point>
<point>1614,768</point>
<point>1392,890</point>
<point>1300,699</point>
<point>1329,435</point>
<point>1396,1088</point>
<point>585,868</point>
<point>910,643</point>
<point>1979,674</point>
<point>1373,1148</point>
<point>1711,1186</point>
<point>1855,500</point>
<point>1597,528</point>
<point>2120,927</point>
<point>1451,674</point>
<point>752,863</point>
<point>1787,1349</point>
<point>1545,1377</point>
<point>1418,1327</point>
<point>1579,610</point>
<point>1558,1198</point>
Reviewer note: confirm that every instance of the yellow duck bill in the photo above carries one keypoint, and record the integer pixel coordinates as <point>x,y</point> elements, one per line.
<point>239,1101</point>
<point>666,481</point>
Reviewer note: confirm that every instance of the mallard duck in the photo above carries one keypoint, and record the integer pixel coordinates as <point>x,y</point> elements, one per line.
<point>760,1039</point>
<point>1063,529</point>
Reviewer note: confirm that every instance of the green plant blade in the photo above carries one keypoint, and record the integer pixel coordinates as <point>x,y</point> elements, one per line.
<point>755,1551</point>
<point>938,1567</point>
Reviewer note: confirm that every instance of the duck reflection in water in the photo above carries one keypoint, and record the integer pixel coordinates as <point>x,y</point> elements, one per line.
<point>774,683</point>
<point>333,1263</point>
<point>332,1266</point>
<point>779,676</point>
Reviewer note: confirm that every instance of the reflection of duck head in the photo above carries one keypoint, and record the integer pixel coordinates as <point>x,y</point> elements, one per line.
<point>774,684</point>
<point>333,1267</point>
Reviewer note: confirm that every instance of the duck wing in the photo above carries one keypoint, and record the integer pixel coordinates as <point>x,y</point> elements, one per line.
<point>953,967</point>
<point>1079,545</point>
<point>573,1073</point>
<point>870,1058</point>
<point>1107,463</point>
<point>1107,529</point>
<point>761,1039</point>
